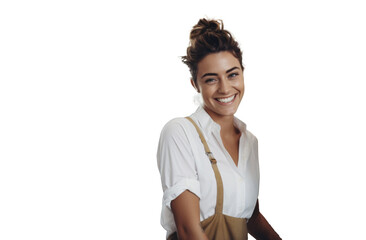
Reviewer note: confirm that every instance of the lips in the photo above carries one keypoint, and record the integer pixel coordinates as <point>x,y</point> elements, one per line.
<point>226,100</point>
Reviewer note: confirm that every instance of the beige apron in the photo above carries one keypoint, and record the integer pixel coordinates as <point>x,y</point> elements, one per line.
<point>219,226</point>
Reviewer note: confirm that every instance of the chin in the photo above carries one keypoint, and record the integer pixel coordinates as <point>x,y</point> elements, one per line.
<point>221,112</point>
<point>228,113</point>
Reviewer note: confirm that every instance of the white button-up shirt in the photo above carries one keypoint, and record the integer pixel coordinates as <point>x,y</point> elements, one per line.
<point>184,165</point>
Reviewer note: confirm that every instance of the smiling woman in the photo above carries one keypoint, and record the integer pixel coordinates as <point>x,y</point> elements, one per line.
<point>209,161</point>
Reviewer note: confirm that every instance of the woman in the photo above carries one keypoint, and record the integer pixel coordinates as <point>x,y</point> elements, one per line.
<point>209,162</point>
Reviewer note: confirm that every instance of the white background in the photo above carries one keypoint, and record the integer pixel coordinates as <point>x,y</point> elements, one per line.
<point>86,87</point>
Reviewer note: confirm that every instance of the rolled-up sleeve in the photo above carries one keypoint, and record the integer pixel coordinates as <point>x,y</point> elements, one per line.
<point>176,163</point>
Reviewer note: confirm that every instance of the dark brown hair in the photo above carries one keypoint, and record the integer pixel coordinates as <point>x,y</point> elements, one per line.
<point>209,36</point>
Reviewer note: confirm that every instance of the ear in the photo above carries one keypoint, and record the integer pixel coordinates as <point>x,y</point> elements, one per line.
<point>194,85</point>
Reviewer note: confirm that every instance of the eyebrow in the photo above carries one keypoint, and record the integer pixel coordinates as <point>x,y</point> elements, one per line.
<point>215,74</point>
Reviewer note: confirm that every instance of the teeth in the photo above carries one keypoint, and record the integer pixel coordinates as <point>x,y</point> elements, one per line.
<point>225,100</point>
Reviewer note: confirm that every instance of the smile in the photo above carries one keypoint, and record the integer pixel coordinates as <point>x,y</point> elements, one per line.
<point>226,100</point>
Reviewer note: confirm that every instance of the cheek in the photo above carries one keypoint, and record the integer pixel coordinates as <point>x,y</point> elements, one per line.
<point>239,85</point>
<point>207,94</point>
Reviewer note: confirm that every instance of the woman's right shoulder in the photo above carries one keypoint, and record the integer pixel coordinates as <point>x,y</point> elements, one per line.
<point>176,126</point>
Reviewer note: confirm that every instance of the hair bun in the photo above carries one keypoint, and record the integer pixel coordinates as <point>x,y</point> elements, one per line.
<point>205,26</point>
<point>206,37</point>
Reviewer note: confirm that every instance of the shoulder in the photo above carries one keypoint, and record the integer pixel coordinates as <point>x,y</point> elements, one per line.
<point>176,139</point>
<point>176,128</point>
<point>251,137</point>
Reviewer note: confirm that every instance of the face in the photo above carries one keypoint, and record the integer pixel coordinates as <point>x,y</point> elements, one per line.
<point>220,80</point>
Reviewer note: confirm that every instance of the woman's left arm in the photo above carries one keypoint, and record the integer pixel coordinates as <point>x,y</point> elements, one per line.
<point>259,227</point>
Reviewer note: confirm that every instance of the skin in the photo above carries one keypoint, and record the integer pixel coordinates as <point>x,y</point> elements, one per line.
<point>219,76</point>
<point>186,211</point>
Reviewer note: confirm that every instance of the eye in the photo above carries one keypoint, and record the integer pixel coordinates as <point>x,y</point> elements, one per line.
<point>210,80</point>
<point>232,75</point>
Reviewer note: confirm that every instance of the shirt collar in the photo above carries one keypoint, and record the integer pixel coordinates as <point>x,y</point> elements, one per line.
<point>240,125</point>
<point>208,125</point>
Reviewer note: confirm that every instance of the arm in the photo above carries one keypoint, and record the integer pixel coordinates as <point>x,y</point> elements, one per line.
<point>186,211</point>
<point>259,228</point>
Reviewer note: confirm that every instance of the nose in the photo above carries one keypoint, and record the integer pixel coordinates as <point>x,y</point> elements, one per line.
<point>224,86</point>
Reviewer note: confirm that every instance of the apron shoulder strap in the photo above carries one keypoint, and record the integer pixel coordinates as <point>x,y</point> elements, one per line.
<point>220,187</point>
<point>203,140</point>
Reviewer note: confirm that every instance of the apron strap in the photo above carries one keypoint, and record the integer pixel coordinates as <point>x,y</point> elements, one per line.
<point>220,187</point>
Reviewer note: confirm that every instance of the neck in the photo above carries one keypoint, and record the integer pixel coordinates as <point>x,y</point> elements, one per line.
<point>226,122</point>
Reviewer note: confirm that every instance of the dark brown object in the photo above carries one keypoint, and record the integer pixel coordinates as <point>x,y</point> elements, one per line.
<point>259,227</point>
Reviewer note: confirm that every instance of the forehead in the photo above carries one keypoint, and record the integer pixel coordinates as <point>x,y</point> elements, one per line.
<point>217,63</point>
